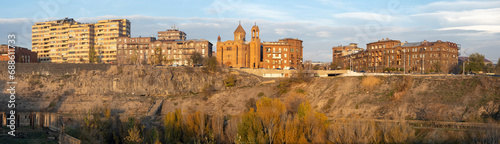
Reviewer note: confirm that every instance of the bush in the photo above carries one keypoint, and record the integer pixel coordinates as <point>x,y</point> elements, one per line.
<point>211,65</point>
<point>260,94</point>
<point>283,86</point>
<point>230,81</point>
<point>300,91</point>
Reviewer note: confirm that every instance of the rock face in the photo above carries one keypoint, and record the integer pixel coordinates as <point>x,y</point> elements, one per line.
<point>124,88</point>
<point>132,90</point>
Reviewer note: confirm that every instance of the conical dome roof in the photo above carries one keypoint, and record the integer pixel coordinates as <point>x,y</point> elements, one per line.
<point>239,29</point>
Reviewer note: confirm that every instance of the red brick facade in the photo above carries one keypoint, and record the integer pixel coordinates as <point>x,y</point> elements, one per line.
<point>416,57</point>
<point>22,55</point>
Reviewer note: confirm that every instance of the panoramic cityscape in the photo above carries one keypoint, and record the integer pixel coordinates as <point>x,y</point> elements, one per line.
<point>324,71</point>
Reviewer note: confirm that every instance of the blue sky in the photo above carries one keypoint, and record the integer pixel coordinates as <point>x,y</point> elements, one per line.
<point>321,24</point>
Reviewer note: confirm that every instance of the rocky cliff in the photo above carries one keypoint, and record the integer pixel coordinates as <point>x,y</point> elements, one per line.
<point>133,89</point>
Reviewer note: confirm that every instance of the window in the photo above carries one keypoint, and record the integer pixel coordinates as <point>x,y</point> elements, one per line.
<point>285,55</point>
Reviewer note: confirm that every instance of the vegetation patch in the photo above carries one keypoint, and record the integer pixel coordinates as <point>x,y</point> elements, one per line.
<point>230,81</point>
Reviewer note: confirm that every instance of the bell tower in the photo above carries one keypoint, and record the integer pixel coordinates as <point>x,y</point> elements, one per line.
<point>255,48</point>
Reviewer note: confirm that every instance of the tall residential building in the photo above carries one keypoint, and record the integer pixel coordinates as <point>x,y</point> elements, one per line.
<point>67,40</point>
<point>143,50</point>
<point>286,53</point>
<point>414,57</point>
<point>106,34</point>
<point>341,50</point>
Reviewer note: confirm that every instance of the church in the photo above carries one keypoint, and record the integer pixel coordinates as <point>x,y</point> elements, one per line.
<point>286,53</point>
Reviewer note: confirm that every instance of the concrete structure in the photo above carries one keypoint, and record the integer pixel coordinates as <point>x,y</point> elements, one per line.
<point>22,55</point>
<point>285,53</point>
<point>416,57</point>
<point>67,40</point>
<point>136,50</point>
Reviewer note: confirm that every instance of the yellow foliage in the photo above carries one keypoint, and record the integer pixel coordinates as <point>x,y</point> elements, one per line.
<point>134,135</point>
<point>271,111</point>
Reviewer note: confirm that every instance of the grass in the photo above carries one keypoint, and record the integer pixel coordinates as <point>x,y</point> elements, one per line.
<point>370,82</point>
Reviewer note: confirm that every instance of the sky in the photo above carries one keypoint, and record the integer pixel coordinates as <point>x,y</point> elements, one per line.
<point>321,24</point>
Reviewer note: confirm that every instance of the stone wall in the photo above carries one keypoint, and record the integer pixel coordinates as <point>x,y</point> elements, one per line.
<point>53,68</point>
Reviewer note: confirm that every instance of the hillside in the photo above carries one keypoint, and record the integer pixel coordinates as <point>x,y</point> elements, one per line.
<point>133,89</point>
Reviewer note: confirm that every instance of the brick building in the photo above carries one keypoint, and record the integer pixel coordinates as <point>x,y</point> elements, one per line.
<point>341,50</point>
<point>67,40</point>
<point>22,55</point>
<point>415,57</point>
<point>285,53</point>
<point>134,50</point>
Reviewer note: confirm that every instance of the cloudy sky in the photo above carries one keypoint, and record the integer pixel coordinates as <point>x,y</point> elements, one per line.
<point>321,24</point>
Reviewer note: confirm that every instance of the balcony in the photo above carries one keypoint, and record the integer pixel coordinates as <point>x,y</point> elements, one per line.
<point>276,51</point>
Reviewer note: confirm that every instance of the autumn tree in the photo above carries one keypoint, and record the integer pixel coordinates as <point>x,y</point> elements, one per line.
<point>270,112</point>
<point>173,126</point>
<point>158,56</point>
<point>134,135</point>
<point>250,128</point>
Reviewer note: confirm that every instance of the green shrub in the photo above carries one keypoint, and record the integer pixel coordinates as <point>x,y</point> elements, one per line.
<point>230,81</point>
<point>300,91</point>
<point>260,94</point>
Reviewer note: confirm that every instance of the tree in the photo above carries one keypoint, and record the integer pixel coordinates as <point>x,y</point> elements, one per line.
<point>157,57</point>
<point>196,58</point>
<point>250,128</point>
<point>476,63</point>
<point>134,135</point>
<point>497,68</point>
<point>438,66</point>
<point>211,64</point>
<point>92,55</point>
<point>134,57</point>
<point>173,126</point>
<point>271,111</point>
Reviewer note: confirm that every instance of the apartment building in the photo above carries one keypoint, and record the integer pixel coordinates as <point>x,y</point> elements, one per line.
<point>284,54</point>
<point>144,50</point>
<point>67,40</point>
<point>171,34</point>
<point>414,57</point>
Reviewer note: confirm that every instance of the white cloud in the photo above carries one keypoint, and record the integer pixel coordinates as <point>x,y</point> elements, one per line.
<point>283,32</point>
<point>457,5</point>
<point>485,28</point>
<point>323,34</point>
<point>462,18</point>
<point>363,16</point>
